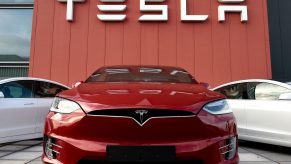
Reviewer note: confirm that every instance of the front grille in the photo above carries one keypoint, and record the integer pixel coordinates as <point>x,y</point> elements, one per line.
<point>141,115</point>
<point>84,161</point>
<point>132,112</point>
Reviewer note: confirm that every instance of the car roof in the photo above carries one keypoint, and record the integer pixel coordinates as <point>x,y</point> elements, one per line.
<point>31,78</point>
<point>255,80</point>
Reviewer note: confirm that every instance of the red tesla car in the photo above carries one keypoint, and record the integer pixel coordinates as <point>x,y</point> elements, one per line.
<point>140,114</point>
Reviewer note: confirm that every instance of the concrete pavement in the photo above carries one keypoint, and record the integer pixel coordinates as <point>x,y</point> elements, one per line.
<point>21,152</point>
<point>257,153</point>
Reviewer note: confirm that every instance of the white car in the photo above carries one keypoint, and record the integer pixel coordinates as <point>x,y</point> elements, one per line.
<point>262,109</point>
<point>24,103</point>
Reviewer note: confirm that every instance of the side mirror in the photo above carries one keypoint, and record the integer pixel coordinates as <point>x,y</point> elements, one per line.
<point>206,85</point>
<point>285,96</point>
<point>1,95</point>
<point>77,84</point>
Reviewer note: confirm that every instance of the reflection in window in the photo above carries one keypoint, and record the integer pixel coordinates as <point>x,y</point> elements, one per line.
<point>251,87</point>
<point>15,36</point>
<point>267,91</point>
<point>235,91</point>
<point>46,89</point>
<point>150,70</point>
<point>141,75</point>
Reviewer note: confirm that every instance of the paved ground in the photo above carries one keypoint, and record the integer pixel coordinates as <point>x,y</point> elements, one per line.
<point>29,152</point>
<point>21,152</point>
<point>256,153</point>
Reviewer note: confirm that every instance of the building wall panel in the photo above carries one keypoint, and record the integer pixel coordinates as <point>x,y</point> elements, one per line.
<point>257,52</point>
<point>238,48</point>
<point>220,47</point>
<point>203,43</point>
<point>79,43</point>
<point>213,52</point>
<point>96,40</point>
<point>114,43</point>
<point>61,46</point>
<point>149,44</point>
<point>168,37</point>
<point>132,36</point>
<point>42,41</point>
<point>185,40</point>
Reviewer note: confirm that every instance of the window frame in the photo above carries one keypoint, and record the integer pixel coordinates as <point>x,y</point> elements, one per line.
<point>17,5</point>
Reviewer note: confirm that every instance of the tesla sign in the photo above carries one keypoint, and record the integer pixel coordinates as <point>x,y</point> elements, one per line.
<point>112,8</point>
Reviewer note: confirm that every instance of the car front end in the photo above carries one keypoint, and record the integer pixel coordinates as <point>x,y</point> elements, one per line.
<point>134,123</point>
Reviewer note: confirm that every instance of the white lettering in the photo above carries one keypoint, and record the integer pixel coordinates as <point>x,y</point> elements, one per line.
<point>222,9</point>
<point>231,1</point>
<point>162,8</point>
<point>70,8</point>
<point>111,8</point>
<point>185,17</point>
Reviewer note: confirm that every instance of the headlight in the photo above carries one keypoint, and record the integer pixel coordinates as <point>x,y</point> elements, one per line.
<point>64,106</point>
<point>218,107</point>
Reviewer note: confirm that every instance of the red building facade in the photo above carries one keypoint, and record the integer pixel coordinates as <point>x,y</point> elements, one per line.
<point>213,51</point>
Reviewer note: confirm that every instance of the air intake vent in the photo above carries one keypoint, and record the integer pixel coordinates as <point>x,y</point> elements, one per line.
<point>141,115</point>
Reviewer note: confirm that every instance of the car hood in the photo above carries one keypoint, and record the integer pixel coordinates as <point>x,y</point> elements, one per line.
<point>97,96</point>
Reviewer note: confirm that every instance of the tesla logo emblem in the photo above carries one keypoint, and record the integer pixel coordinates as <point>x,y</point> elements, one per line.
<point>141,115</point>
<point>113,10</point>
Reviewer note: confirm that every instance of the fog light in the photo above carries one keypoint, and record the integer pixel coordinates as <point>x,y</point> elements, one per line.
<point>228,148</point>
<point>51,149</point>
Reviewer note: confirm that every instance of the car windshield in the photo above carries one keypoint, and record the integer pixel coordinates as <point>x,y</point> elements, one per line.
<point>144,74</point>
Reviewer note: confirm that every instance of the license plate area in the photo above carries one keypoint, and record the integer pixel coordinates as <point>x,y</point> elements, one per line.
<point>141,154</point>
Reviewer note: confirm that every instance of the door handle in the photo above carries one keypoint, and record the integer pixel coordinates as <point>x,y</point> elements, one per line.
<point>29,104</point>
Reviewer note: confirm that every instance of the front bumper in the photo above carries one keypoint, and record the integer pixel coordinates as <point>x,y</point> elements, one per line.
<point>76,141</point>
<point>73,151</point>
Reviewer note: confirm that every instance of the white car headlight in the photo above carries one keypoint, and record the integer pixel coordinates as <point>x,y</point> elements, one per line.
<point>218,107</point>
<point>64,106</point>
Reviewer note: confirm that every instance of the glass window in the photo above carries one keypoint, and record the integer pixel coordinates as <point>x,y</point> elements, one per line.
<point>251,87</point>
<point>170,75</point>
<point>267,91</point>
<point>235,91</point>
<point>46,89</point>
<point>15,34</point>
<point>17,89</point>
